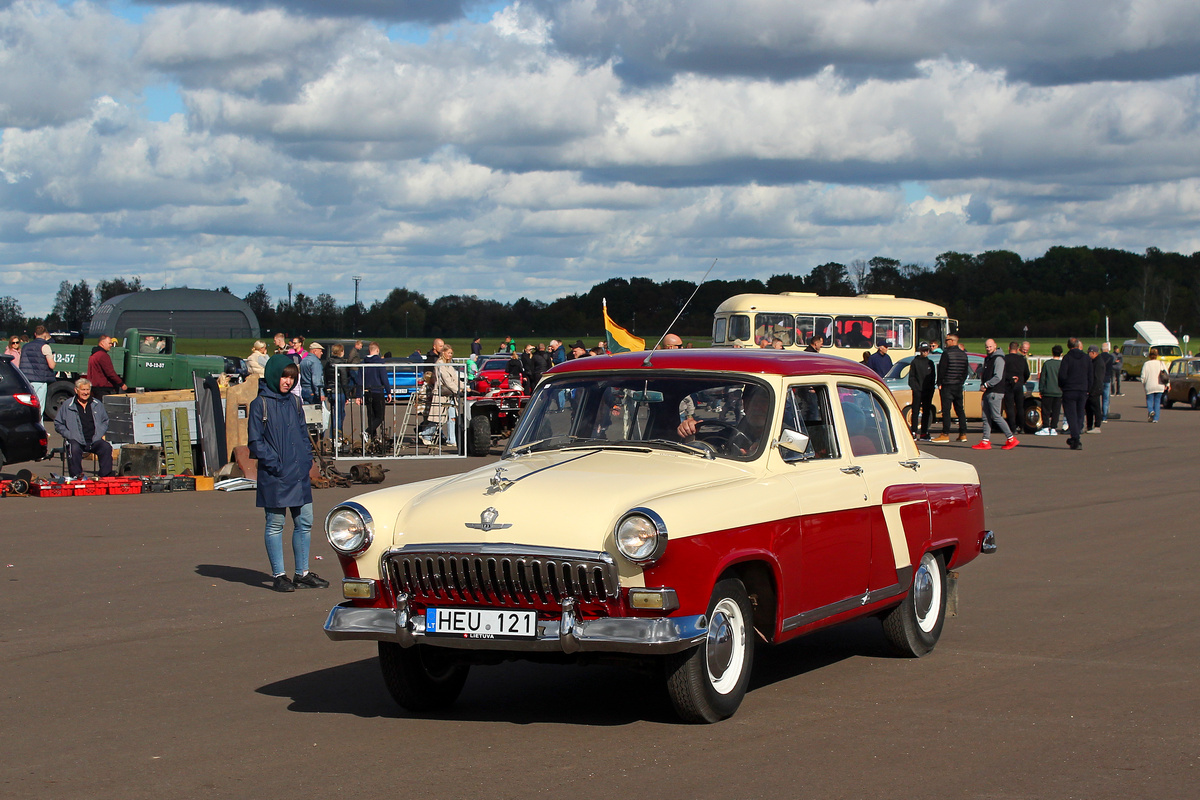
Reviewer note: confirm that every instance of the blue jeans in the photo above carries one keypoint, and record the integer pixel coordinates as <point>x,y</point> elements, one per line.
<point>339,416</point>
<point>1104,393</point>
<point>1154,404</point>
<point>302,519</point>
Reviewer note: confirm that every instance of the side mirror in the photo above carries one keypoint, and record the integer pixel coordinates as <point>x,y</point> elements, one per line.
<point>792,441</point>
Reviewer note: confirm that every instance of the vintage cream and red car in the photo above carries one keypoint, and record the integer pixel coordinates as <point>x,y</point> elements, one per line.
<point>675,508</point>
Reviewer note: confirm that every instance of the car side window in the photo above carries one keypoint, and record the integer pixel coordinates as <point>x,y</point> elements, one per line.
<point>807,411</point>
<point>868,424</point>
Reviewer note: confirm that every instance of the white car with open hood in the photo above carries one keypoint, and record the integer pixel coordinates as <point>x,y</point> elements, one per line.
<point>675,507</point>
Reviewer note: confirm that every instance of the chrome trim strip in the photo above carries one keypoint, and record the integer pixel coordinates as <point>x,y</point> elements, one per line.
<point>646,635</point>
<point>904,577</point>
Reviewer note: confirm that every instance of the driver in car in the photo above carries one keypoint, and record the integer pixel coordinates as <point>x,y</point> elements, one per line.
<point>743,437</point>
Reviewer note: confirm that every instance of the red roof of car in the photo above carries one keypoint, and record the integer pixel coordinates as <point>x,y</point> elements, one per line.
<point>724,359</point>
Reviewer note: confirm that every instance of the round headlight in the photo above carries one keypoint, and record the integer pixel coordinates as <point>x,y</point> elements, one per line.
<point>348,529</point>
<point>641,536</point>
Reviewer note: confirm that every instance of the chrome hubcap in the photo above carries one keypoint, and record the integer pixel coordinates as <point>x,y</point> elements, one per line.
<point>923,592</point>
<point>719,644</point>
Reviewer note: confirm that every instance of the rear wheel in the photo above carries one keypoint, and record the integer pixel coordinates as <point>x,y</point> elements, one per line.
<point>1167,401</point>
<point>1194,400</point>
<point>1032,421</point>
<point>914,627</point>
<point>707,683</point>
<point>479,437</point>
<point>57,393</point>
<point>421,678</point>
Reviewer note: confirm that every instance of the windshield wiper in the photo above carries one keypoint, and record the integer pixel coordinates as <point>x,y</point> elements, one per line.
<point>683,447</point>
<point>568,441</point>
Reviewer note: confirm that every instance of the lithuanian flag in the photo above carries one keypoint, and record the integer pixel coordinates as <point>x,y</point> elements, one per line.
<point>619,339</point>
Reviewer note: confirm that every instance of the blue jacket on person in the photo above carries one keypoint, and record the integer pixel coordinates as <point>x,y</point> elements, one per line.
<point>374,377</point>
<point>881,363</point>
<point>312,379</point>
<point>278,438</point>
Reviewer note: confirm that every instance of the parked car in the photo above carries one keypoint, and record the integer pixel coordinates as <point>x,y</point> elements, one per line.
<point>491,369</point>
<point>609,530</point>
<point>1185,382</point>
<point>22,437</point>
<point>897,382</point>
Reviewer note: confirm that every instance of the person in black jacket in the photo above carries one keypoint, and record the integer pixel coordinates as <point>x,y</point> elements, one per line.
<point>1074,376</point>
<point>952,371</point>
<point>374,389</point>
<point>921,380</point>
<point>1016,375</point>
<point>1094,408</point>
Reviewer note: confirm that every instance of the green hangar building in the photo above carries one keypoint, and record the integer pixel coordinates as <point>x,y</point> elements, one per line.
<point>188,313</point>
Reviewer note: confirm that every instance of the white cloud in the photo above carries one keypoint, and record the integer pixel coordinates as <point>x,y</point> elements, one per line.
<point>520,156</point>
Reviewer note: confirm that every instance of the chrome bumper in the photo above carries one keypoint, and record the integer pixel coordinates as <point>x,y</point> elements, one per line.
<point>568,634</point>
<point>987,543</point>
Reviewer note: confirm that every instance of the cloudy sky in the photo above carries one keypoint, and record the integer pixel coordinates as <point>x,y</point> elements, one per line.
<point>536,147</point>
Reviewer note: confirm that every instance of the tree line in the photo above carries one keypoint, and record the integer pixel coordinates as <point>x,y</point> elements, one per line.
<point>1066,291</point>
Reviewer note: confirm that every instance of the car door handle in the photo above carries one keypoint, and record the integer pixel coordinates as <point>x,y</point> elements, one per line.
<point>914,465</point>
<point>852,470</point>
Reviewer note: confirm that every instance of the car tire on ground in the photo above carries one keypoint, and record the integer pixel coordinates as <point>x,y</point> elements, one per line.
<point>57,393</point>
<point>421,678</point>
<point>913,627</point>
<point>479,437</point>
<point>707,683</point>
<point>1167,401</point>
<point>1194,400</point>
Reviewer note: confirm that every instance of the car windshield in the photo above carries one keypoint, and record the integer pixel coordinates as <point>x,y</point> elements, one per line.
<point>729,415</point>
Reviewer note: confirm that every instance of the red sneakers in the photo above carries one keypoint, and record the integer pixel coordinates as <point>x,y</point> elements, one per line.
<point>1010,444</point>
<point>983,445</point>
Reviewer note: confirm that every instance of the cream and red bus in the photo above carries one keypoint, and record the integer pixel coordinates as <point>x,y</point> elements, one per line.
<point>850,325</point>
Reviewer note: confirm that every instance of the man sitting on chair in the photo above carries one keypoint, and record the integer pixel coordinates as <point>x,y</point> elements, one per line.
<point>82,422</point>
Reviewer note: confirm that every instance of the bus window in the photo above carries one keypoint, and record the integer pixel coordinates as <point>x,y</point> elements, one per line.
<point>770,326</point>
<point>808,324</point>
<point>853,331</point>
<point>928,330</point>
<point>719,330</point>
<point>894,331</point>
<point>739,327</point>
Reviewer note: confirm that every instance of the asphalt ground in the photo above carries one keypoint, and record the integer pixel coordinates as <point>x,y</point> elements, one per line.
<point>143,656</point>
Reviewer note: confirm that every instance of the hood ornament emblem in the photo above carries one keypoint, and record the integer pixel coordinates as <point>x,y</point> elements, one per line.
<point>498,482</point>
<point>487,521</point>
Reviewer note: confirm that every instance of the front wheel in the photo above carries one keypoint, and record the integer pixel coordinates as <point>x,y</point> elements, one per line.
<point>707,683</point>
<point>1194,400</point>
<point>913,627</point>
<point>479,435</point>
<point>1167,401</point>
<point>421,678</point>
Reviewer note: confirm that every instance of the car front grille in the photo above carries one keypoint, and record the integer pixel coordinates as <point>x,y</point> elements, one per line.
<point>495,575</point>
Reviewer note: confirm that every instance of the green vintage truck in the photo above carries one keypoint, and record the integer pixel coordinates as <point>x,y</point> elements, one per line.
<point>145,359</point>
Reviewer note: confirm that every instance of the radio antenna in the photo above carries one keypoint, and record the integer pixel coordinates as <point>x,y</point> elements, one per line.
<point>687,302</point>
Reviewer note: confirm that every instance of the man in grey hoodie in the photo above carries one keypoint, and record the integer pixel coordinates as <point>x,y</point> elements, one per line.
<point>993,398</point>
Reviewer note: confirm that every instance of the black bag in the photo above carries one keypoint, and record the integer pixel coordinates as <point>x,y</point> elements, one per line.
<point>1163,377</point>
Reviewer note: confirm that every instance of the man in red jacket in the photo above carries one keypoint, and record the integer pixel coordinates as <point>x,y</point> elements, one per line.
<point>100,372</point>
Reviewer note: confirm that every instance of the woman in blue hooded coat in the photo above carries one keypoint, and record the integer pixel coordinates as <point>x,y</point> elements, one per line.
<point>279,440</point>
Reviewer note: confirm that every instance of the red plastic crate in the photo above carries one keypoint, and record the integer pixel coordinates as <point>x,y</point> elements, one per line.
<point>88,489</point>
<point>50,490</point>
<point>122,486</point>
